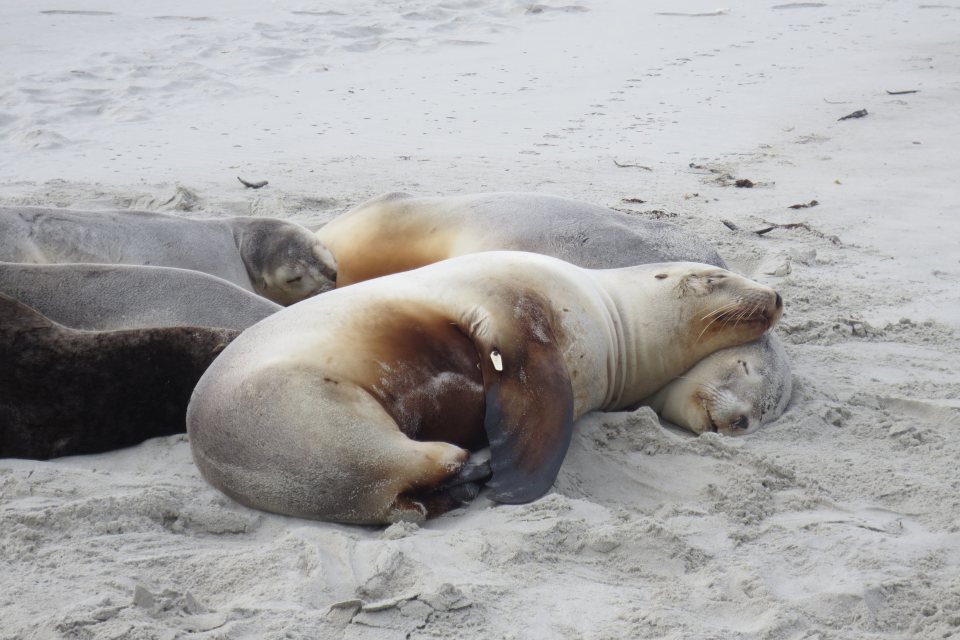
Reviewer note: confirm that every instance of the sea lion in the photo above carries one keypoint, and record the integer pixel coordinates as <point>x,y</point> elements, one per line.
<point>278,259</point>
<point>397,231</point>
<point>102,297</point>
<point>732,391</point>
<point>67,392</point>
<point>361,405</point>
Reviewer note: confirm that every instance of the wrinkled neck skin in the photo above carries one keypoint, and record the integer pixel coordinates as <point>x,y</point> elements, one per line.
<point>653,339</point>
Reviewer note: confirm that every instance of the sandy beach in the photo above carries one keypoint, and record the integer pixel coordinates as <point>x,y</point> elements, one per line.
<point>839,520</point>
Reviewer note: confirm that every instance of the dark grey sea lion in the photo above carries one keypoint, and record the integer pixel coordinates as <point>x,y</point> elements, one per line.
<point>67,392</point>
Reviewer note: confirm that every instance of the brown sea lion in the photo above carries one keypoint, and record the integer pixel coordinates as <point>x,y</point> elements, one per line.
<point>67,392</point>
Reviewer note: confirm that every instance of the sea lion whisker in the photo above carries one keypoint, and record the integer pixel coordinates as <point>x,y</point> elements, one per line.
<point>720,310</point>
<point>707,327</point>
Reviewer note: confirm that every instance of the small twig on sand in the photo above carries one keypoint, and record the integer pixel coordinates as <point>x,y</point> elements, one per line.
<point>859,113</point>
<point>635,166</point>
<point>797,225</point>
<point>658,214</point>
<point>790,225</point>
<point>807,205</point>
<point>902,93</point>
<point>633,200</point>
<point>253,185</point>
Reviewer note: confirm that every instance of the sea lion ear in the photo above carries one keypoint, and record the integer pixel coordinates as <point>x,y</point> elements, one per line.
<point>691,284</point>
<point>529,412</point>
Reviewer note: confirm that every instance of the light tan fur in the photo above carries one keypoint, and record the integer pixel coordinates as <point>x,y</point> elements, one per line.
<point>305,414</point>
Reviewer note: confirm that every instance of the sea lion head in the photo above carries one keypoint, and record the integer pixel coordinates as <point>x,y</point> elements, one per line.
<point>696,308</point>
<point>721,307</point>
<point>285,261</point>
<point>674,314</point>
<point>732,391</point>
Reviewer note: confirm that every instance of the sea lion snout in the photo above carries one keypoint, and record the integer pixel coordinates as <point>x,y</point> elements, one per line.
<point>774,314</point>
<point>760,304</point>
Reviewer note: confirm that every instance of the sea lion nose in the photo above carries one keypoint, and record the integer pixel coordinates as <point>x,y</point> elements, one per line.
<point>779,301</point>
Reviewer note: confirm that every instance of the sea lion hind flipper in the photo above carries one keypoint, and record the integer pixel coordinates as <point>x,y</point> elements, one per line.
<point>475,470</point>
<point>529,422</point>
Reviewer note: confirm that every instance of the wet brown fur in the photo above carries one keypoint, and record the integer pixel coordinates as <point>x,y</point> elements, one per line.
<point>68,392</point>
<point>405,348</point>
<point>527,407</point>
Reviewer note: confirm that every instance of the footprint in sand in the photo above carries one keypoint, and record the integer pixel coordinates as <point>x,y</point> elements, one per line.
<point>70,12</point>
<point>185,18</point>
<point>800,5</point>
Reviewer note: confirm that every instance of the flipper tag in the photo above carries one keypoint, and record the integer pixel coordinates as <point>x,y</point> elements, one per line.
<point>497,360</point>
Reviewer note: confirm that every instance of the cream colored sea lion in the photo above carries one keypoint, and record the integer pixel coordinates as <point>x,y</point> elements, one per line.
<point>361,405</point>
<point>68,392</point>
<point>397,231</point>
<point>101,297</point>
<point>733,391</point>
<point>277,259</point>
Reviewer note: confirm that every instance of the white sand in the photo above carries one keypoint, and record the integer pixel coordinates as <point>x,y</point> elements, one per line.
<point>841,520</point>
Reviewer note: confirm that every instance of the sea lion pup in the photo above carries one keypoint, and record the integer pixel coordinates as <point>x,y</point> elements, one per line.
<point>732,391</point>
<point>362,405</point>
<point>278,259</point>
<point>67,392</point>
<point>102,297</point>
<point>397,231</point>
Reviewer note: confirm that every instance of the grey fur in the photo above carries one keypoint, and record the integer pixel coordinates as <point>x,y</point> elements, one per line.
<point>102,297</point>
<point>243,250</point>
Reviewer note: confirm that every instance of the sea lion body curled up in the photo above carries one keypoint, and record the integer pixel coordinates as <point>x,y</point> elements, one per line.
<point>68,392</point>
<point>277,259</point>
<point>362,405</point>
<point>736,390</point>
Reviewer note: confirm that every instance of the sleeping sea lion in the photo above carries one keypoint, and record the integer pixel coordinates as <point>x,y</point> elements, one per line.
<point>277,259</point>
<point>118,296</point>
<point>363,404</point>
<point>397,231</point>
<point>67,392</point>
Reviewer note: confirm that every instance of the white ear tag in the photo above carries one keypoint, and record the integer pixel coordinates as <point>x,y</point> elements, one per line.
<point>496,360</point>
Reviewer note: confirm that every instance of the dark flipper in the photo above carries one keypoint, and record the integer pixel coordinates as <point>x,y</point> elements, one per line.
<point>529,415</point>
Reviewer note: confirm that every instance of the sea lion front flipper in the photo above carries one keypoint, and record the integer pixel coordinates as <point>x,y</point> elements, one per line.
<point>529,414</point>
